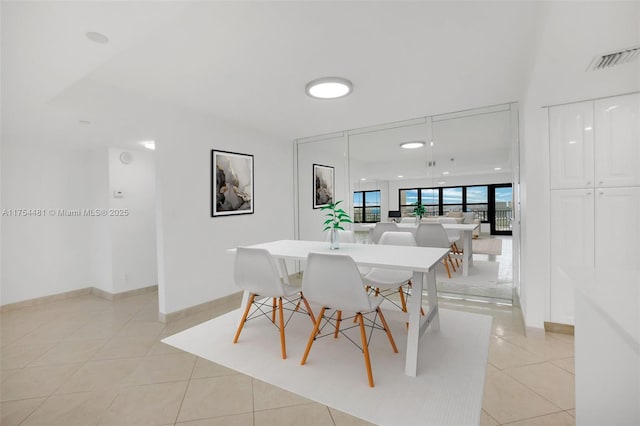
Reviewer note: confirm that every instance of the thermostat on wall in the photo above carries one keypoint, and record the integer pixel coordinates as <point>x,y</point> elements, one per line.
<point>118,194</point>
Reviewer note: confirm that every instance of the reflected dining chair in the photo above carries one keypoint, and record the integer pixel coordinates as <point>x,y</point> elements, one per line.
<point>333,282</point>
<point>255,271</point>
<point>434,235</point>
<point>382,227</point>
<point>388,281</point>
<point>454,236</point>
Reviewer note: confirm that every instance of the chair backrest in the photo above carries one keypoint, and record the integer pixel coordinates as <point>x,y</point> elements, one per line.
<point>382,227</point>
<point>432,235</point>
<point>256,271</point>
<point>398,239</point>
<point>451,232</point>
<point>408,220</point>
<point>344,236</point>
<point>334,281</point>
<point>468,217</point>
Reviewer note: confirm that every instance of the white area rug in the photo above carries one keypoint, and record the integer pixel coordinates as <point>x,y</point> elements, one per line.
<point>447,391</point>
<point>487,246</point>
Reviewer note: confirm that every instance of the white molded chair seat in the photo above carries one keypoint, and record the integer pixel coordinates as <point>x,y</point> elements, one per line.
<point>434,235</point>
<point>382,227</point>
<point>391,279</point>
<point>333,282</point>
<point>255,271</point>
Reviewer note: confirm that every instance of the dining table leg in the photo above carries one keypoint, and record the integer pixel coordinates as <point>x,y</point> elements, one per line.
<point>413,334</point>
<point>467,253</point>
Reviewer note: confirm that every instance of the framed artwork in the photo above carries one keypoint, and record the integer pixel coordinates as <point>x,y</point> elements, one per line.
<point>231,183</point>
<point>323,185</point>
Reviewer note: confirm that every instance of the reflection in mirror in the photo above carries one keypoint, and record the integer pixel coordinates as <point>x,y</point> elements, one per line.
<point>462,167</point>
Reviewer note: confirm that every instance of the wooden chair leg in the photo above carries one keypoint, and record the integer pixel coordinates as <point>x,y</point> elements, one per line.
<point>365,349</point>
<point>306,304</point>
<point>446,265</point>
<point>282,341</point>
<point>402,301</point>
<point>451,262</point>
<point>313,335</point>
<point>273,311</point>
<point>387,330</point>
<point>244,317</point>
<point>338,320</point>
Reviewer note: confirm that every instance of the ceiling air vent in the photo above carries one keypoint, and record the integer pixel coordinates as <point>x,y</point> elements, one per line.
<point>612,59</point>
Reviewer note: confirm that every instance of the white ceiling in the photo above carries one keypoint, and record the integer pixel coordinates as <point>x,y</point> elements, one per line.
<point>248,62</point>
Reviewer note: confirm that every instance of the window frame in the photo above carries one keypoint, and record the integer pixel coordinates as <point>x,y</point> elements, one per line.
<point>364,207</point>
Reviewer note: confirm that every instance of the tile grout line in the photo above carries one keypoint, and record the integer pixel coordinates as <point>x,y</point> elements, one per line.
<point>186,389</point>
<point>537,393</point>
<point>534,417</point>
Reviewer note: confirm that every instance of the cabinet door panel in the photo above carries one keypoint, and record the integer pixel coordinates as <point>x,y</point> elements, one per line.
<point>617,141</point>
<point>617,230</point>
<point>572,242</point>
<point>571,145</point>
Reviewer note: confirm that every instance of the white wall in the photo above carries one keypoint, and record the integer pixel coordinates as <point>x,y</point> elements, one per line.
<point>100,246</point>
<point>328,152</point>
<point>194,266</point>
<point>132,237</point>
<point>572,34</point>
<point>48,254</point>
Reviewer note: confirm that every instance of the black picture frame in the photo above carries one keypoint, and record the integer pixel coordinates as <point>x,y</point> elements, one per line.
<point>324,184</point>
<point>232,183</point>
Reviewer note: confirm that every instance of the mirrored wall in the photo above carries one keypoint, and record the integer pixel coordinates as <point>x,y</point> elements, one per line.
<point>457,162</point>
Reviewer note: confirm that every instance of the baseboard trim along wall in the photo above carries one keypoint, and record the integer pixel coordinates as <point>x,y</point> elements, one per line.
<point>75,293</point>
<point>233,299</point>
<point>554,327</point>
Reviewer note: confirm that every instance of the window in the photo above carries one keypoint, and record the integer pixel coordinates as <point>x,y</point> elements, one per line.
<point>366,206</point>
<point>440,201</point>
<point>430,199</point>
<point>451,199</point>
<point>477,200</point>
<point>408,199</point>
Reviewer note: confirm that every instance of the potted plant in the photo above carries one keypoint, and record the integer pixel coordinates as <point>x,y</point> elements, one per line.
<point>335,218</point>
<point>419,211</point>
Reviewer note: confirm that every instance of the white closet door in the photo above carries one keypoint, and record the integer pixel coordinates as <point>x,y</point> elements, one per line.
<point>571,145</point>
<point>617,141</point>
<point>617,219</point>
<point>572,240</point>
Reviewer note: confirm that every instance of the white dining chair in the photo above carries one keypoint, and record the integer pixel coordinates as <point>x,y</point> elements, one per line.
<point>255,271</point>
<point>408,220</point>
<point>454,236</point>
<point>334,283</point>
<point>387,281</point>
<point>382,227</point>
<point>434,235</point>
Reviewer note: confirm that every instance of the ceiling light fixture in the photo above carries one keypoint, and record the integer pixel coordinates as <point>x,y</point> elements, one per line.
<point>400,176</point>
<point>588,128</point>
<point>149,144</point>
<point>412,145</point>
<point>86,122</point>
<point>445,173</point>
<point>97,37</point>
<point>441,182</point>
<point>363,178</point>
<point>329,88</point>
<point>497,168</point>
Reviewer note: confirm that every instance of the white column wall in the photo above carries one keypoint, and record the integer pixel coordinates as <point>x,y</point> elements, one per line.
<point>193,265</point>
<point>565,47</point>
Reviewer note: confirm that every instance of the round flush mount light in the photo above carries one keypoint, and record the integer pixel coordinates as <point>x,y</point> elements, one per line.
<point>412,145</point>
<point>97,37</point>
<point>329,88</point>
<point>497,169</point>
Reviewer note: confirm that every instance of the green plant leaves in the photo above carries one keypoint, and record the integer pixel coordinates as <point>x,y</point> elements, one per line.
<point>335,216</point>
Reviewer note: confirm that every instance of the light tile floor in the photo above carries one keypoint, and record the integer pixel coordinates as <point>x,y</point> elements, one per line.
<point>89,361</point>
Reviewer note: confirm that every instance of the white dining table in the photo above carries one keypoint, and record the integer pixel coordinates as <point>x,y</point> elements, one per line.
<point>467,236</point>
<point>421,260</point>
